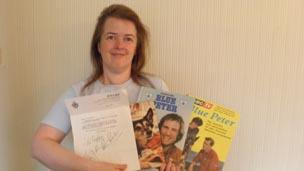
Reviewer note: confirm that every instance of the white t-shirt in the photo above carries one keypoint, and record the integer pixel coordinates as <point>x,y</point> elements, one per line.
<point>58,117</point>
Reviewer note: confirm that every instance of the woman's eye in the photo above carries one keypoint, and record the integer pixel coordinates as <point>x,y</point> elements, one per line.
<point>129,39</point>
<point>110,37</point>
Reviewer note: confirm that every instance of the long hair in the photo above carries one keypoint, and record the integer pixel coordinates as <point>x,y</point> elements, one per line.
<point>138,62</point>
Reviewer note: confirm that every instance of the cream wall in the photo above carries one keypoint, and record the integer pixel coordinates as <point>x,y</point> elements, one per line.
<point>246,55</point>
<point>3,103</point>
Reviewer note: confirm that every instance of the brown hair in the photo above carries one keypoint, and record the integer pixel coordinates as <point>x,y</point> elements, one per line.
<point>198,121</point>
<point>210,140</point>
<point>138,62</point>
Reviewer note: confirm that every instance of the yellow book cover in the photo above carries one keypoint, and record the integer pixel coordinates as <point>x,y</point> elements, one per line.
<point>209,136</point>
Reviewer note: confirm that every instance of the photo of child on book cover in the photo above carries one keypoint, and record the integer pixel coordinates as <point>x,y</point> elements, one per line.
<point>192,137</point>
<point>147,136</point>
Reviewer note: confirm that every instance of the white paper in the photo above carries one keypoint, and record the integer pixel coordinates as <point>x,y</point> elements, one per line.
<point>102,128</point>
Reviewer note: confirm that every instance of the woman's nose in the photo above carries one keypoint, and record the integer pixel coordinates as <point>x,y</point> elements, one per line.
<point>119,43</point>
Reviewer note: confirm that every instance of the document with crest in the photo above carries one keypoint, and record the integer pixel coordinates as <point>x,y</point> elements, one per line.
<point>102,128</point>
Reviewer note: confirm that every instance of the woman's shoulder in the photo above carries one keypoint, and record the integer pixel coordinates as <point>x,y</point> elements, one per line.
<point>156,81</point>
<point>78,87</point>
<point>152,77</point>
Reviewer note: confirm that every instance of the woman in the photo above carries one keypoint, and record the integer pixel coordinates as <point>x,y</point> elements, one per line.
<point>118,52</point>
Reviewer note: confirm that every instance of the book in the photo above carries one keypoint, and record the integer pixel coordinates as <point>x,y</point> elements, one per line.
<point>174,112</point>
<point>209,136</point>
<point>102,128</point>
<point>149,148</point>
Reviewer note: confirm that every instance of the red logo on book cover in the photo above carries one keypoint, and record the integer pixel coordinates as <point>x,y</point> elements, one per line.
<point>203,104</point>
<point>207,105</point>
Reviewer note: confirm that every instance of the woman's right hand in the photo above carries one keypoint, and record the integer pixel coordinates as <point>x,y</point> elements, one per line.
<point>47,149</point>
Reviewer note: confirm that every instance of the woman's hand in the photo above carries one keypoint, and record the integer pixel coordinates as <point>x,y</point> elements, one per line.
<point>47,149</point>
<point>170,166</point>
<point>191,167</point>
<point>105,166</point>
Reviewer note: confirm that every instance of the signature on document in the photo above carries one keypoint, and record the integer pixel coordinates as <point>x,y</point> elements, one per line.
<point>96,144</point>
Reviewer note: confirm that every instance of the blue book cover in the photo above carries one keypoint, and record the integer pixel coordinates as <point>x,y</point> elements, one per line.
<point>174,113</point>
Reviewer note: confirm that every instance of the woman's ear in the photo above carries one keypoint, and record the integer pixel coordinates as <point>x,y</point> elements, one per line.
<point>98,48</point>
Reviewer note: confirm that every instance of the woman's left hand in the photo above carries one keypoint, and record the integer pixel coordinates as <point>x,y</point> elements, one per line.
<point>170,166</point>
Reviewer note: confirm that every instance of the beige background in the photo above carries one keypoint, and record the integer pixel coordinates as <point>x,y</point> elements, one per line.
<point>245,54</point>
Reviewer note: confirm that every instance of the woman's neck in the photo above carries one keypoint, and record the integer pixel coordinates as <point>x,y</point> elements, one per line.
<point>115,78</point>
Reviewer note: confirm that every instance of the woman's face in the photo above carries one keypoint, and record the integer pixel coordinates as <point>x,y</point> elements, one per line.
<point>117,45</point>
